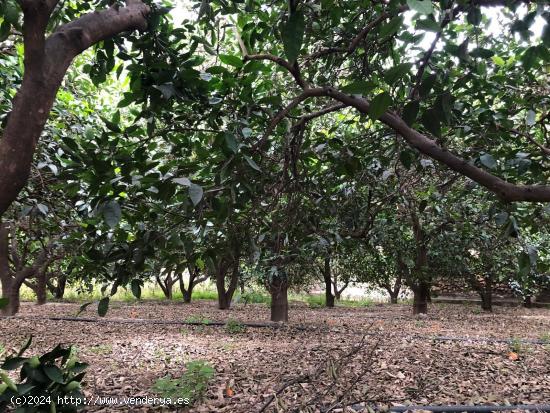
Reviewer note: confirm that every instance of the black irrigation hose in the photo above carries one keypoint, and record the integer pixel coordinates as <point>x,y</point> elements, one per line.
<point>482,339</point>
<point>155,322</point>
<point>273,325</point>
<point>473,409</point>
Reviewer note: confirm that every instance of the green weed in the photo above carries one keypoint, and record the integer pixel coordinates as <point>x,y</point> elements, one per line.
<point>191,386</point>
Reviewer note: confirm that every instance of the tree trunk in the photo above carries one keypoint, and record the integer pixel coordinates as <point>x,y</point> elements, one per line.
<point>279,300</point>
<point>421,292</point>
<point>394,295</point>
<point>225,296</point>
<point>59,290</point>
<point>166,285</point>
<point>46,62</point>
<point>487,294</point>
<point>6,278</point>
<point>187,294</point>
<point>527,302</point>
<point>327,276</point>
<point>487,301</point>
<point>41,287</point>
<point>10,291</point>
<point>393,290</point>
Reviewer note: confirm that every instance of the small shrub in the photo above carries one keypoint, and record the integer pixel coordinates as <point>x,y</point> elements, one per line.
<point>198,319</point>
<point>234,327</point>
<point>2,349</point>
<point>516,346</point>
<point>190,387</point>
<point>44,381</point>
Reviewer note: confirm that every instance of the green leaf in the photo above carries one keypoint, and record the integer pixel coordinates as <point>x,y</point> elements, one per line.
<point>530,118</point>
<point>474,16</point>
<point>11,13</point>
<point>379,105</point>
<point>252,164</point>
<point>135,285</point>
<point>4,302</point>
<point>530,57</point>
<point>182,181</point>
<point>432,123</point>
<point>195,193</point>
<point>13,363</point>
<point>427,85</point>
<point>397,72</point>
<point>497,60</point>
<point>231,142</point>
<point>103,306</point>
<point>501,218</point>
<point>231,60</point>
<point>111,125</point>
<point>54,374</point>
<point>112,213</point>
<point>406,157</point>
<point>524,264</point>
<point>481,52</point>
<point>392,27</point>
<point>293,35</point>
<point>410,112</point>
<point>443,105</point>
<point>488,161</point>
<point>428,25</point>
<point>83,308</point>
<point>359,87</point>
<point>421,6</point>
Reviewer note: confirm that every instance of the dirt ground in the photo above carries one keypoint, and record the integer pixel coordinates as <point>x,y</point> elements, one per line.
<point>323,360</point>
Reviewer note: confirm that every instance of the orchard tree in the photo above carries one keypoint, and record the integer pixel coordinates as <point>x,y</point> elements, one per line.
<point>472,100</point>
<point>53,36</point>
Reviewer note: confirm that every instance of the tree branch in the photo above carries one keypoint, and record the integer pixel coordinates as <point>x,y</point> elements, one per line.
<point>306,94</point>
<point>294,69</point>
<point>504,190</point>
<point>46,62</point>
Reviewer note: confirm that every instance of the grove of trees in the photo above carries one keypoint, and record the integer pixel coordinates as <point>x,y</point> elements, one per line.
<point>276,145</point>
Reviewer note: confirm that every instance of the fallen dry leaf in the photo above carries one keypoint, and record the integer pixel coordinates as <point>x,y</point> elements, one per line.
<point>513,356</point>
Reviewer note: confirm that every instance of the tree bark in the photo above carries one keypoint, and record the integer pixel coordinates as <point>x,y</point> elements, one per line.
<point>278,289</point>
<point>394,295</point>
<point>187,295</point>
<point>421,292</point>
<point>59,290</point>
<point>46,62</point>
<point>41,288</point>
<point>11,292</point>
<point>165,286</point>
<point>226,295</point>
<point>395,289</point>
<point>6,279</point>
<point>327,276</point>
<point>506,191</point>
<point>487,294</point>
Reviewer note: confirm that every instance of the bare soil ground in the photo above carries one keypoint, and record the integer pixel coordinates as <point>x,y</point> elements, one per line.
<point>328,365</point>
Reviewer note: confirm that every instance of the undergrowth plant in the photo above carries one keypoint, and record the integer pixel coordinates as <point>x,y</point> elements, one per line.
<point>190,387</point>
<point>516,346</point>
<point>48,383</point>
<point>234,327</point>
